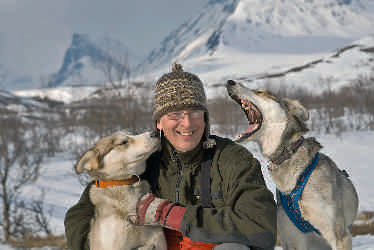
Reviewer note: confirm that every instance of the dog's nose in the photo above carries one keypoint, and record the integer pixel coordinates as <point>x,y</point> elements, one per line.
<point>154,134</point>
<point>231,83</point>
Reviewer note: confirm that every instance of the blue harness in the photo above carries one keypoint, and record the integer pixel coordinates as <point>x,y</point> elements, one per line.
<point>290,202</point>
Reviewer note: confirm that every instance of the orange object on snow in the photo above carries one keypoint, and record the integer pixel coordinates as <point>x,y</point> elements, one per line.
<point>176,241</point>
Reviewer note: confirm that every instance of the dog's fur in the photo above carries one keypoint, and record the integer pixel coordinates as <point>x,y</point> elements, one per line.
<point>117,157</point>
<point>329,201</point>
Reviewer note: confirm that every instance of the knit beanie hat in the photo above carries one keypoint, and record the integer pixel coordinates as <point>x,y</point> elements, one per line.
<point>179,90</point>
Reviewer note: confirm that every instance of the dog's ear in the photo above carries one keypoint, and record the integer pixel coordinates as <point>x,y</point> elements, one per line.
<point>296,109</point>
<point>87,162</point>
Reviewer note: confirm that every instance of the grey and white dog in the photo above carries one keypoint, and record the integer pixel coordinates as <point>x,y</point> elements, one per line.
<point>328,202</point>
<point>115,162</point>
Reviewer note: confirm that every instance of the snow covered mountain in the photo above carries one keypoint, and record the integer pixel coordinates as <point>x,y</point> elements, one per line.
<point>231,38</point>
<point>278,26</point>
<point>338,69</point>
<point>82,63</point>
<point>312,72</point>
<point>91,61</point>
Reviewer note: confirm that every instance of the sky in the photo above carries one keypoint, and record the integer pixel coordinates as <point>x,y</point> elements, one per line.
<point>34,34</point>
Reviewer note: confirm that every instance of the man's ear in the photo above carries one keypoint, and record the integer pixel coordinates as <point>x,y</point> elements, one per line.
<point>87,162</point>
<point>158,125</point>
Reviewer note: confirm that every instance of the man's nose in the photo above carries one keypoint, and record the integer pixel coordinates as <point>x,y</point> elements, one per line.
<point>186,120</point>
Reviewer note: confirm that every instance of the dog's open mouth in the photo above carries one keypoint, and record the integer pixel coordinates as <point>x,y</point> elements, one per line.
<point>253,115</point>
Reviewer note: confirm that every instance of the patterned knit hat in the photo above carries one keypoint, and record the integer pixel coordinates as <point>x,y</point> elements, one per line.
<point>180,90</point>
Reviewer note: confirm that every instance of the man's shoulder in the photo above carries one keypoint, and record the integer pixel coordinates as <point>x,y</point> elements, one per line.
<point>222,140</point>
<point>229,146</point>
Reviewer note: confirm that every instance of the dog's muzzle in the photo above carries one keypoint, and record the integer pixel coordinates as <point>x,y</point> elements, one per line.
<point>231,83</point>
<point>154,134</point>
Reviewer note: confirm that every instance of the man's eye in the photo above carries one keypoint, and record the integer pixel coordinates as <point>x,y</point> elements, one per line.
<point>175,115</point>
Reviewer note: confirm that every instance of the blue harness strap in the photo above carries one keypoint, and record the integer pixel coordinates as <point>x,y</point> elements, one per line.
<point>290,202</point>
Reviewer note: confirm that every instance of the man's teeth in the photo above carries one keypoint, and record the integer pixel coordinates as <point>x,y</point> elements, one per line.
<point>185,133</point>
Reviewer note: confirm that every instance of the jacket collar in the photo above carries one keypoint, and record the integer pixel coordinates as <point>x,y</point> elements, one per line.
<point>186,158</point>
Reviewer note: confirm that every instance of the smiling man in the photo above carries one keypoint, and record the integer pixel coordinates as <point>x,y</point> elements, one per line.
<point>208,191</point>
<point>226,206</point>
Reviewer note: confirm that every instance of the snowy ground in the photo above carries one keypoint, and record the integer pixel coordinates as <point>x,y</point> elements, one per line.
<point>352,151</point>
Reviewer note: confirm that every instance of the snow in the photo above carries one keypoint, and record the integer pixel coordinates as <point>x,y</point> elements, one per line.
<point>351,151</point>
<point>294,17</point>
<point>64,94</point>
<point>244,61</point>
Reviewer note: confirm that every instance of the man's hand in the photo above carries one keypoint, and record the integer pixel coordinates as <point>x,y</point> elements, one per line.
<point>155,211</point>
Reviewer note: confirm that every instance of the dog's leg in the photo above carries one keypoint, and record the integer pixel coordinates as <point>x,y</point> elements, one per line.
<point>343,239</point>
<point>337,235</point>
<point>339,242</point>
<point>345,243</point>
<point>342,235</point>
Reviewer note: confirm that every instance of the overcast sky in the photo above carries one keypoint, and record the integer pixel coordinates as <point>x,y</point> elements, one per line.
<point>34,34</point>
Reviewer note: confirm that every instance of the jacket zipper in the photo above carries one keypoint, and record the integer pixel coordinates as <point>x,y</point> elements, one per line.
<point>179,177</point>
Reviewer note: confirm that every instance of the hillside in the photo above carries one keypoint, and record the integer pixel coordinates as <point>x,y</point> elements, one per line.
<point>257,26</point>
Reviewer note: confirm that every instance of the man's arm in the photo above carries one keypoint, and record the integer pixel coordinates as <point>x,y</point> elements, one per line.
<point>77,222</point>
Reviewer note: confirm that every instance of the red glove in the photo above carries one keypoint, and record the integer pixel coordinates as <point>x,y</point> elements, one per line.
<point>155,211</point>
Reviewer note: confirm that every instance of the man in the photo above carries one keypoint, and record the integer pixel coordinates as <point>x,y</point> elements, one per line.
<point>208,192</point>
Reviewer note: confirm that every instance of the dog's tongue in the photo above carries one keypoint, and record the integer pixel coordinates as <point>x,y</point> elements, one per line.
<point>250,128</point>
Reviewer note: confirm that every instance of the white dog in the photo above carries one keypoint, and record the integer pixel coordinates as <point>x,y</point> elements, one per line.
<point>116,162</point>
<point>317,201</point>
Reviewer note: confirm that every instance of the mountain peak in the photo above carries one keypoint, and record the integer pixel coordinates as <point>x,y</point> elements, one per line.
<point>199,35</point>
<point>79,39</point>
<point>264,25</point>
<point>80,63</point>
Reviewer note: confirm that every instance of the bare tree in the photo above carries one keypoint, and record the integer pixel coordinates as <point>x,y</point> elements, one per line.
<point>19,166</point>
<point>41,215</point>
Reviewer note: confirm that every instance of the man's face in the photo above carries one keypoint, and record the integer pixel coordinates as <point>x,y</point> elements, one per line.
<point>184,129</point>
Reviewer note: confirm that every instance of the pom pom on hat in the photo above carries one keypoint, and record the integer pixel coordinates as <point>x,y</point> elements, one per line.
<point>176,67</point>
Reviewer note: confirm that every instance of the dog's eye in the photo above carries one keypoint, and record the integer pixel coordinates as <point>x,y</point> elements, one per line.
<point>123,142</point>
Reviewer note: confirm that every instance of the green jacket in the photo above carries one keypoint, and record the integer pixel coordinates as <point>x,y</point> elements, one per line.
<point>244,209</point>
